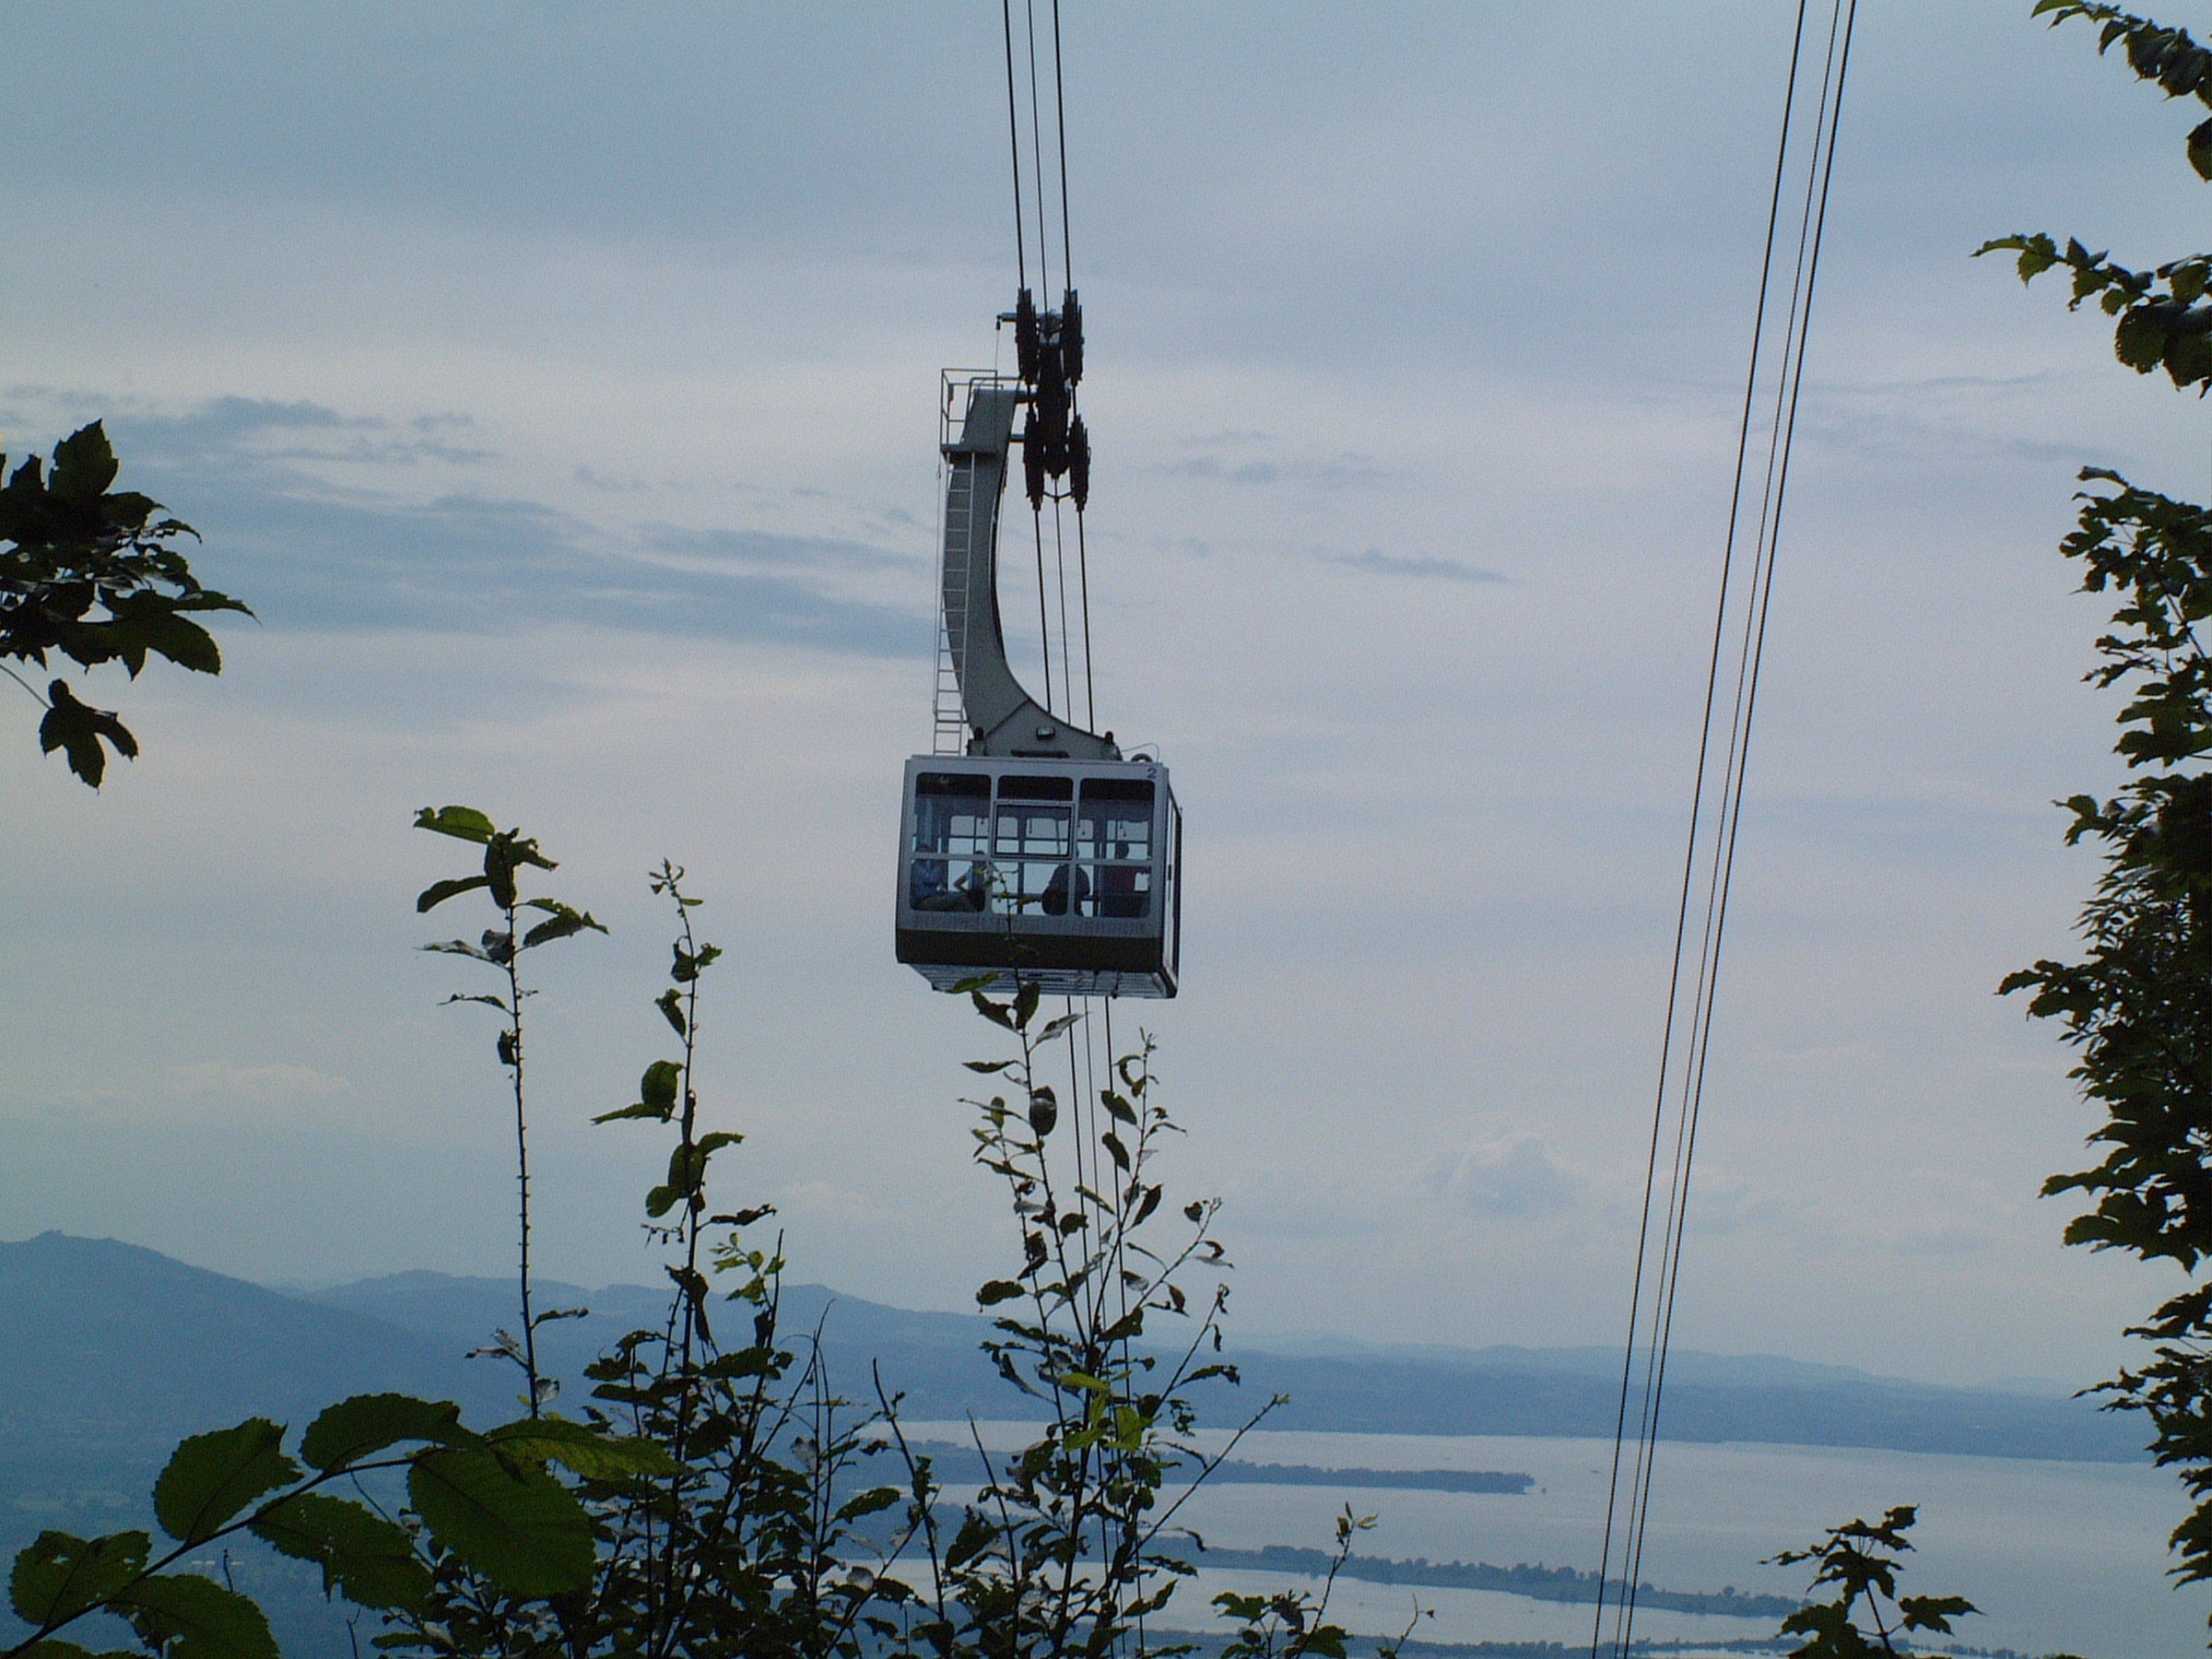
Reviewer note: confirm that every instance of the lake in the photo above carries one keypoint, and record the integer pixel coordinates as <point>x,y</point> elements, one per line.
<point>2062,1557</point>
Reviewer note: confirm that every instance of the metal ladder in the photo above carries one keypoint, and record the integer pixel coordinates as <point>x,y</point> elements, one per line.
<point>951,712</point>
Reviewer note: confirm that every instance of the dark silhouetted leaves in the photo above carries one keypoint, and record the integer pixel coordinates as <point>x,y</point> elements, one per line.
<point>514,1523</point>
<point>688,967</point>
<point>357,1428</point>
<point>78,730</point>
<point>438,892</point>
<point>211,1477</point>
<point>562,922</point>
<point>579,1448</point>
<point>58,1576</point>
<point>365,1557</point>
<point>91,575</point>
<point>53,1647</point>
<point>463,823</point>
<point>656,1089</point>
<point>188,1616</point>
<point>1859,1561</point>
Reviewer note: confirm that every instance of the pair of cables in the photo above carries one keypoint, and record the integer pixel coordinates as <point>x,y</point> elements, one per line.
<point>1067,443</point>
<point>1796,217</point>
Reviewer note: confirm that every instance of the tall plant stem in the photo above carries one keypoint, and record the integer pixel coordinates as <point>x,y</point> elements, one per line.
<point>522,1150</point>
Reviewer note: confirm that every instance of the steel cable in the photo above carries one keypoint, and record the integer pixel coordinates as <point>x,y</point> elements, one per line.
<point>1630,1514</point>
<point>1021,241</point>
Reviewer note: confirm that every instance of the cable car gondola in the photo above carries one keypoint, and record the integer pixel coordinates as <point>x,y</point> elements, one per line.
<point>1031,849</point>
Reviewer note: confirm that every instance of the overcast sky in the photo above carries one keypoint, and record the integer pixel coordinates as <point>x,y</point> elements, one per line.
<point>556,380</point>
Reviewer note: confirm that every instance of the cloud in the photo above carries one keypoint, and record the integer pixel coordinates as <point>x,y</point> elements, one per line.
<point>278,1080</point>
<point>1513,1176</point>
<point>756,549</point>
<point>1328,475</point>
<point>826,1202</point>
<point>321,520</point>
<point>1393,564</point>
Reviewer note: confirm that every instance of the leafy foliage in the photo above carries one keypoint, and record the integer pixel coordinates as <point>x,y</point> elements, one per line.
<point>2137,1006</point>
<point>747,1529</point>
<point>507,853</point>
<point>2164,319</point>
<point>364,1557</point>
<point>93,574</point>
<point>1859,1559</point>
<point>212,1476</point>
<point>718,1497</point>
<point>492,1503</point>
<point>1059,1551</point>
<point>1293,1623</point>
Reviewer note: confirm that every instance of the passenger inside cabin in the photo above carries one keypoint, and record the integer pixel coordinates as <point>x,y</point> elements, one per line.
<point>971,892</point>
<point>1053,901</point>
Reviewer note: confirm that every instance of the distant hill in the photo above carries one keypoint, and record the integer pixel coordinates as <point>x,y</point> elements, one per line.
<point>932,1357</point>
<point>110,1353</point>
<point>107,1345</point>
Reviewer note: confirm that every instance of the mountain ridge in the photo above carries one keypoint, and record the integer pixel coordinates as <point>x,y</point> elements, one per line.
<point>113,1350</point>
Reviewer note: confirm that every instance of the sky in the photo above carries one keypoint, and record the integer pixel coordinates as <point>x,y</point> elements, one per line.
<point>558,383</point>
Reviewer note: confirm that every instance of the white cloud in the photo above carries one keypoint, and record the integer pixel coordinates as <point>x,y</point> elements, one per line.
<point>823,1201</point>
<point>1513,1176</point>
<point>275,1081</point>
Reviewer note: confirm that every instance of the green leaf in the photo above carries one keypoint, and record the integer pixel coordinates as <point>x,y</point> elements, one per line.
<point>463,823</point>
<point>657,1087</point>
<point>438,892</point>
<point>58,1576</point>
<point>671,1003</point>
<point>998,1291</point>
<point>636,1109</point>
<point>188,1616</point>
<point>77,729</point>
<point>972,1540</point>
<point>84,465</point>
<point>146,622</point>
<point>211,1477</point>
<point>562,923</point>
<point>460,947</point>
<point>687,967</point>
<point>1025,1001</point>
<point>53,1648</point>
<point>1932,1612</point>
<point>356,1429</point>
<point>519,1527</point>
<point>870,1503</point>
<point>581,1449</point>
<point>365,1557</point>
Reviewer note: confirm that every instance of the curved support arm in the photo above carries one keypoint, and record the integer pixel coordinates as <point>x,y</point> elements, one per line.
<point>1003,719</point>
